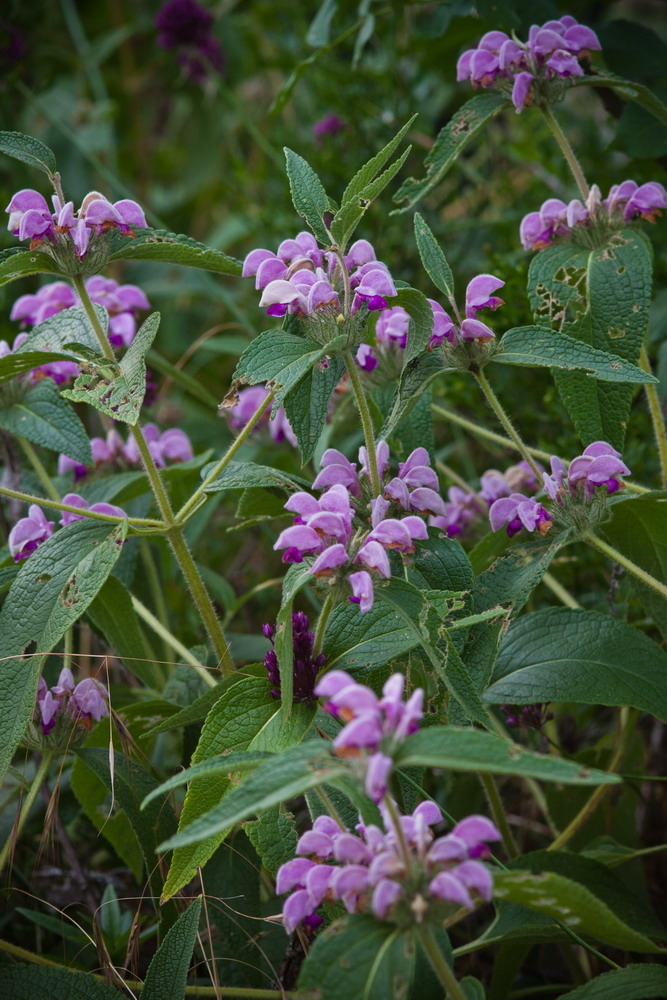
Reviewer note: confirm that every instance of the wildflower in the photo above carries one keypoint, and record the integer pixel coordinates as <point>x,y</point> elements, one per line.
<point>84,702</point>
<point>306,666</point>
<point>185,25</point>
<point>29,532</point>
<point>598,465</point>
<point>518,511</point>
<point>74,500</point>
<point>172,445</point>
<point>331,124</point>
<point>249,399</point>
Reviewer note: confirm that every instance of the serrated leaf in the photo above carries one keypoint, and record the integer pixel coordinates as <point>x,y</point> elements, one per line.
<point>168,972</point>
<point>308,195</point>
<point>25,982</point>
<point>52,590</point>
<point>451,140</point>
<point>307,405</point>
<point>71,326</point>
<point>17,262</point>
<point>16,364</point>
<point>365,174</point>
<point>599,296</point>
<point>466,749</point>
<point>535,346</point>
<point>248,475</point>
<point>637,529</point>
<point>628,89</point>
<point>42,416</point>
<point>172,248</point>
<point>113,614</point>
<point>356,642</point>
<point>281,360</point>
<point>274,837</point>
<point>634,982</point>
<point>433,258</point>
<point>604,662</point>
<point>28,150</point>
<point>118,389</point>
<point>415,379</point>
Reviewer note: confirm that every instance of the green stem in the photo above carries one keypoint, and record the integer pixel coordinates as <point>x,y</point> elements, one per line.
<point>499,816</point>
<point>156,588</point>
<point>366,421</point>
<point>499,411</point>
<point>439,963</point>
<point>390,806</point>
<point>563,595</point>
<point>567,151</point>
<point>327,608</point>
<point>68,647</point>
<point>28,802</point>
<point>189,506</point>
<point>330,807</point>
<point>599,793</point>
<point>657,417</point>
<point>87,304</point>
<point>622,560</point>
<point>56,505</point>
<point>42,474</point>
<point>171,641</point>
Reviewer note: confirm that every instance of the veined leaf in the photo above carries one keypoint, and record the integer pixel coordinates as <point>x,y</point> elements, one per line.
<point>307,404</point>
<point>433,258</point>
<point>274,837</point>
<point>17,262</point>
<point>415,379</point>
<point>281,360</point>
<point>25,982</point>
<point>41,415</point>
<point>308,195</point>
<point>417,307</point>
<point>28,150</point>
<point>634,982</point>
<point>172,248</point>
<point>71,326</point>
<point>248,475</point>
<point>629,90</point>
<point>168,972</point>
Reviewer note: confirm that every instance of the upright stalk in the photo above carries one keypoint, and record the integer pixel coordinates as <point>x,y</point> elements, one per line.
<point>439,963</point>
<point>40,471</point>
<point>657,417</point>
<point>173,530</point>
<point>567,151</point>
<point>28,802</point>
<point>325,611</point>
<point>366,421</point>
<point>498,814</point>
<point>499,411</point>
<point>618,557</point>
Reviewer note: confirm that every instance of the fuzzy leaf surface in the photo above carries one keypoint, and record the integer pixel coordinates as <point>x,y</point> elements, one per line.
<point>308,195</point>
<point>28,150</point>
<point>17,262</point>
<point>168,972</point>
<point>172,248</point>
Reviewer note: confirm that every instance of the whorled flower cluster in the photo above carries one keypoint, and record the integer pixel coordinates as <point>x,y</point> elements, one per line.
<point>324,526</point>
<point>85,702</point>
<point>370,872</point>
<point>172,445</point>
<point>553,51</point>
<point>29,532</point>
<point>305,665</point>
<point>625,202</point>
<point>599,465</point>
<point>465,507</point>
<point>301,278</point>
<point>247,402</point>
<point>30,218</point>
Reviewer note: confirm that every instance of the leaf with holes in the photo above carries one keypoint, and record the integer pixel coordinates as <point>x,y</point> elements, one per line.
<point>17,262</point>
<point>28,150</point>
<point>52,590</point>
<point>118,388</point>
<point>172,248</point>
<point>601,297</point>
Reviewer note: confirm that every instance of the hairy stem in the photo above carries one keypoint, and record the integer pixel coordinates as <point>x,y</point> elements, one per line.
<point>499,411</point>
<point>567,151</point>
<point>189,506</point>
<point>147,522</point>
<point>498,814</point>
<point>322,621</point>
<point>618,557</point>
<point>366,421</point>
<point>171,641</point>
<point>439,964</point>
<point>559,591</point>
<point>657,417</point>
<point>40,471</point>
<point>28,801</point>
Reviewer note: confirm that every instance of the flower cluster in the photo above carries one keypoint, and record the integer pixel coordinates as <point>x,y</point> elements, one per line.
<point>625,202</point>
<point>301,278</point>
<point>185,25</point>
<point>30,218</point>
<point>172,445</point>
<point>518,511</point>
<point>306,665</point>
<point>464,507</point>
<point>598,465</point>
<point>29,532</point>
<point>121,302</point>
<point>553,51</point>
<point>324,527</point>
<point>526,716</point>
<point>84,702</point>
<point>372,872</point>
<point>247,402</point>
<point>375,725</point>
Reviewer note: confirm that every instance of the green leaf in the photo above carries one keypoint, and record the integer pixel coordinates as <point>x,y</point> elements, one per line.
<point>297,577</point>
<point>354,641</point>
<point>244,475</point>
<point>172,248</point>
<point>281,360</point>
<point>25,982</point>
<point>433,258</point>
<point>168,972</point>
<point>52,590</point>
<point>601,297</point>
<point>307,405</point>
<point>452,139</point>
<point>28,150</point>
<point>629,90</point>
<point>118,389</point>
<point>417,307</point>
<point>308,195</point>
<point>637,529</point>
<point>71,326</point>
<point>274,837</point>
<point>535,346</point>
<point>41,415</point>
<point>281,778</point>
<point>16,364</point>
<point>375,960</point>
<point>572,903</point>
<point>603,661</point>
<point>465,749</point>
<point>415,379</point>
<point>634,982</point>
<point>196,710</point>
<point>17,262</point>
<point>112,613</point>
<point>318,32</point>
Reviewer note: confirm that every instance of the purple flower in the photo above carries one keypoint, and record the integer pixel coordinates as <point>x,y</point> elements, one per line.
<point>306,666</point>
<point>185,25</point>
<point>28,533</point>
<point>331,124</point>
<point>362,590</point>
<point>84,702</point>
<point>249,399</point>
<point>517,512</point>
<point>30,217</point>
<point>88,702</point>
<point>337,470</point>
<point>74,500</point>
<point>365,358</point>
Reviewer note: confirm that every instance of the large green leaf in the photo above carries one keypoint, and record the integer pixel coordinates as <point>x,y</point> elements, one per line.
<point>17,364</point>
<point>634,982</point>
<point>599,296</point>
<point>172,248</point>
<point>168,972</point>
<point>41,415</point>
<point>629,90</point>
<point>307,404</point>
<point>28,150</point>
<point>535,346</point>
<point>637,529</point>
<point>281,360</point>
<point>17,262</point>
<point>308,195</point>
<point>71,326</point>
<point>247,475</point>
<point>432,257</point>
<point>274,837</point>
<point>565,654</point>
<point>118,389</point>
<point>52,590</point>
<point>25,982</point>
<point>353,641</point>
<point>473,750</point>
<point>418,309</point>
<point>451,140</point>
